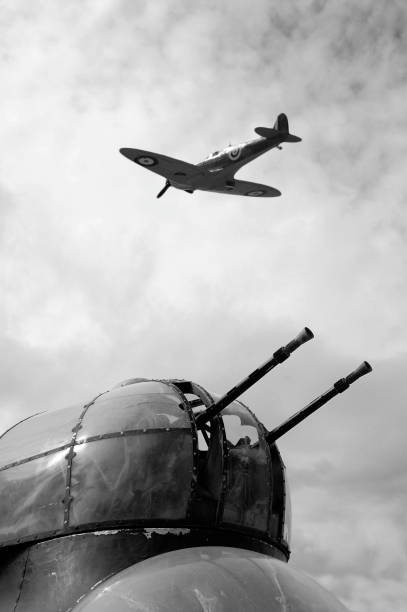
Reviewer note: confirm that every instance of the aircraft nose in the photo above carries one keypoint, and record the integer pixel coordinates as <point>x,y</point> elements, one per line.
<point>209,578</point>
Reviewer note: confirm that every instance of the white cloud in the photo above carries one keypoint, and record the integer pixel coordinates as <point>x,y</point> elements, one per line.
<point>102,281</point>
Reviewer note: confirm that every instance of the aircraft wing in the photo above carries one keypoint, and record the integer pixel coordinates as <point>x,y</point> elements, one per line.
<point>168,167</point>
<point>245,188</point>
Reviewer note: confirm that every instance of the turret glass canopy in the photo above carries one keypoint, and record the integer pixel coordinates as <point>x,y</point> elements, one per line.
<point>133,457</point>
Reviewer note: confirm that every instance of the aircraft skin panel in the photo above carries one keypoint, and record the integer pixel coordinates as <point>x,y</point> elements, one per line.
<point>235,157</point>
<point>247,188</point>
<point>209,578</point>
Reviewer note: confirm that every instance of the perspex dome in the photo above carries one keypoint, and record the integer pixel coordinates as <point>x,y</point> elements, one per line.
<point>133,457</point>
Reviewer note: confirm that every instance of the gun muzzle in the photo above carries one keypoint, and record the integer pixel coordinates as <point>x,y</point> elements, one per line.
<point>363,369</point>
<point>339,387</point>
<point>279,356</point>
<point>304,335</point>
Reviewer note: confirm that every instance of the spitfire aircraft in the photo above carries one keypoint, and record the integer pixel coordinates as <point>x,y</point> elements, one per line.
<point>217,172</point>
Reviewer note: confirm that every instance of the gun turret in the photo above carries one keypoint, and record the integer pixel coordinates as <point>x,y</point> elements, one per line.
<point>339,387</point>
<point>279,356</point>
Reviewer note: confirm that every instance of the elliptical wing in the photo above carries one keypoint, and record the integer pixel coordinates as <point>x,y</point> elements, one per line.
<point>175,170</point>
<point>246,188</point>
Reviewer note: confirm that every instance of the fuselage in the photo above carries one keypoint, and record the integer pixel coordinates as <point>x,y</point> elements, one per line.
<point>223,164</point>
<point>235,156</point>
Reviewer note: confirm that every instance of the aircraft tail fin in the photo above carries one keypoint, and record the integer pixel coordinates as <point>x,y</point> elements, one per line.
<point>281,124</point>
<point>280,129</point>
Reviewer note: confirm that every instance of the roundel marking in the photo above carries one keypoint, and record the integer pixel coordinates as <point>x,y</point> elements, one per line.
<point>257,192</point>
<point>146,160</point>
<point>235,153</point>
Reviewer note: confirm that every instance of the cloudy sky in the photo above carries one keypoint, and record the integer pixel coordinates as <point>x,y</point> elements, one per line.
<point>101,281</point>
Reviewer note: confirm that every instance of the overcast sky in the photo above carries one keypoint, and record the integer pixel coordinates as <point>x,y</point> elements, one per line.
<point>101,281</point>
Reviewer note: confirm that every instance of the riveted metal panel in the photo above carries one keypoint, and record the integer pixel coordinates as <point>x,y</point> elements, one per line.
<point>51,576</point>
<point>13,564</point>
<point>211,579</point>
<point>69,458</point>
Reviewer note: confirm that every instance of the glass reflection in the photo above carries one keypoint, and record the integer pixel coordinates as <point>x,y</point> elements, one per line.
<point>247,491</point>
<point>246,498</point>
<point>31,500</point>
<point>39,434</point>
<point>287,513</point>
<point>133,477</point>
<point>112,413</point>
<point>141,386</point>
<point>278,498</point>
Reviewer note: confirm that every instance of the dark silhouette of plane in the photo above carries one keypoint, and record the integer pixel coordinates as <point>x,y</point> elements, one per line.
<point>217,172</point>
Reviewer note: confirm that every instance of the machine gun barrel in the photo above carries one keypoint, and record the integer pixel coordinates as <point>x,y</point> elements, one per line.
<point>339,387</point>
<point>279,356</point>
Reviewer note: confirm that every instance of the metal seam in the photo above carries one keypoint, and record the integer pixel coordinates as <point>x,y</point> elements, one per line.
<point>251,535</point>
<point>280,531</point>
<point>261,434</point>
<point>88,528</point>
<point>282,520</point>
<point>69,458</point>
<point>270,481</point>
<point>280,517</point>
<point>95,438</point>
<point>194,436</point>
<point>225,470</point>
<point>202,394</point>
<point>261,430</point>
<point>33,457</point>
<point>206,399</point>
<point>22,581</point>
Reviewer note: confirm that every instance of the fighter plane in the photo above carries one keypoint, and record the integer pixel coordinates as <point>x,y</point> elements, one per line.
<point>217,172</point>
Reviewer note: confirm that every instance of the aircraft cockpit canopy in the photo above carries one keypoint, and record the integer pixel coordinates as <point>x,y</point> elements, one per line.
<point>133,457</point>
<point>214,154</point>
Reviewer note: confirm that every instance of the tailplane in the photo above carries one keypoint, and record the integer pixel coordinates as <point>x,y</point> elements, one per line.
<point>280,129</point>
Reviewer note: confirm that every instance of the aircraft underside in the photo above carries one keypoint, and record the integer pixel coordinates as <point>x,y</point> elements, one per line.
<point>187,177</point>
<point>217,172</point>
